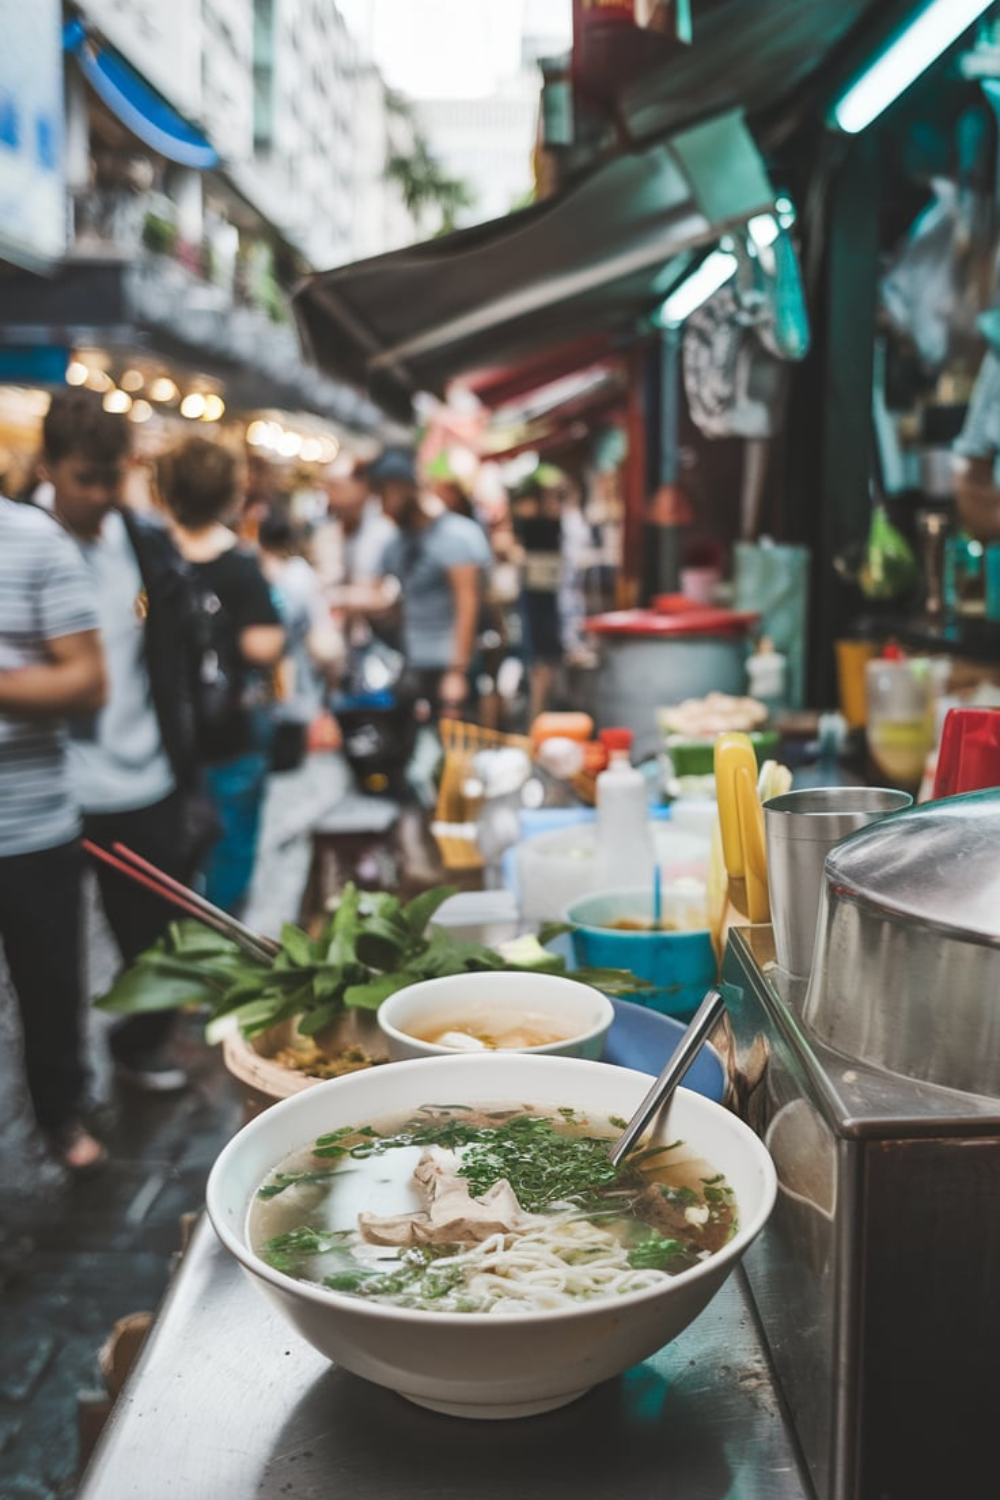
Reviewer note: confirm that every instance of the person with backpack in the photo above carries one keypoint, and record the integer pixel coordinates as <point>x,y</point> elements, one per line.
<point>241,642</point>
<point>133,765</point>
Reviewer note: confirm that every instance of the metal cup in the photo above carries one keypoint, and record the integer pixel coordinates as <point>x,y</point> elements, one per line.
<point>800,829</point>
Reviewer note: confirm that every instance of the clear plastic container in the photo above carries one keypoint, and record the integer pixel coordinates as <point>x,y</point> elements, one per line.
<point>900,725</point>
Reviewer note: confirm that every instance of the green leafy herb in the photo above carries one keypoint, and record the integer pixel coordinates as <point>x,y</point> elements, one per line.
<point>717,1189</point>
<point>371,946</point>
<point>680,1197</point>
<point>285,1252</point>
<point>542,1165</point>
<point>282,1180</point>
<point>654,1253</point>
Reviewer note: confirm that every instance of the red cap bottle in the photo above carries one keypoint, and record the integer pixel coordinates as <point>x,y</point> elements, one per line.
<point>616,739</point>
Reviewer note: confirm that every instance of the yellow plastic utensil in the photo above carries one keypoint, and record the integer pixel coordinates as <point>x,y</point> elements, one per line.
<point>741,820</point>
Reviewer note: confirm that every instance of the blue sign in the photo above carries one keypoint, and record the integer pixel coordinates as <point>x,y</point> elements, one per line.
<point>32,176</point>
<point>20,365</point>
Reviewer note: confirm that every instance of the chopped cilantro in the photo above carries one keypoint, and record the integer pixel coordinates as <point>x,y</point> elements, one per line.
<point>654,1253</point>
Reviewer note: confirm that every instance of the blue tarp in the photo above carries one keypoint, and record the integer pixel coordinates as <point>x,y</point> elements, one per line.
<point>146,113</point>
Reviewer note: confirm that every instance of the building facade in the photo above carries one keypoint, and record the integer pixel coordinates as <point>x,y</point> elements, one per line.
<point>487,144</point>
<point>212,155</point>
<point>278,88</point>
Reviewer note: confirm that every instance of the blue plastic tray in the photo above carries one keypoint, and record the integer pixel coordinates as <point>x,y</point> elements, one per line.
<point>644,1039</point>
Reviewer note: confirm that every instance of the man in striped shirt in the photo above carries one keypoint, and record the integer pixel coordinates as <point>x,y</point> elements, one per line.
<point>51,667</point>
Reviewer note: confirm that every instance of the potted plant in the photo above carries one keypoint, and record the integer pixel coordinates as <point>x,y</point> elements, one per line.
<point>311,1012</point>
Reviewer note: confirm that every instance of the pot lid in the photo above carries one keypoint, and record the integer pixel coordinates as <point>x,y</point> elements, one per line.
<point>699,621</point>
<point>937,864</point>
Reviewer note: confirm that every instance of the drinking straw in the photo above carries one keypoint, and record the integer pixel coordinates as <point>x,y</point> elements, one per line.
<point>657,895</point>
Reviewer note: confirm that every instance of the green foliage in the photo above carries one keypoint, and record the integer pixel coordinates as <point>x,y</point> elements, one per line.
<point>424,184</point>
<point>371,946</point>
<point>159,234</point>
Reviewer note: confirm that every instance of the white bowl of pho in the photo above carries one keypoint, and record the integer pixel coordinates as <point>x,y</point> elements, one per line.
<point>451,1228</point>
<point>495,1011</point>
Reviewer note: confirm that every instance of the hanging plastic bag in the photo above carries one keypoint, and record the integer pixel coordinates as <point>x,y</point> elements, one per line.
<point>738,344</point>
<point>734,385</point>
<point>934,291</point>
<point>888,568</point>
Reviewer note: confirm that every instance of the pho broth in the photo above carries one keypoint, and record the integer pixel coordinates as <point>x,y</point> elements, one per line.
<point>348,1212</point>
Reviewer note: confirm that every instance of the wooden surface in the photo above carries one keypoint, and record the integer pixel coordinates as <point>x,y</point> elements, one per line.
<point>402,856</point>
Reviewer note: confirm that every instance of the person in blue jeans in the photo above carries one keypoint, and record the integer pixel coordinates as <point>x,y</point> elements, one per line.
<point>242,641</point>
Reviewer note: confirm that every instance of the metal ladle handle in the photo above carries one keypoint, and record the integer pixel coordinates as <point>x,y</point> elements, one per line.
<point>703,1021</point>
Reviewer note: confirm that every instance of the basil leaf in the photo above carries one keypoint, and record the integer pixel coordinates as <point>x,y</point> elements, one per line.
<point>328,981</point>
<point>297,945</point>
<point>385,907</point>
<point>315,1020</point>
<point>418,912</point>
<point>370,996</point>
<point>272,1010</point>
<point>380,950</point>
<point>336,941</point>
<point>550,930</point>
<point>133,994</point>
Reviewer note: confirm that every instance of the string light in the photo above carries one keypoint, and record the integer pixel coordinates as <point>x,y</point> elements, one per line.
<point>163,389</point>
<point>116,400</point>
<point>214,408</point>
<point>193,405</point>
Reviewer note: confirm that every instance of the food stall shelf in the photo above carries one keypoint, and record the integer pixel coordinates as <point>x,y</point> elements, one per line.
<point>227,1401</point>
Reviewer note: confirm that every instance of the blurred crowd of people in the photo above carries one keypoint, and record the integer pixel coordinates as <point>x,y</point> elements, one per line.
<point>158,662</point>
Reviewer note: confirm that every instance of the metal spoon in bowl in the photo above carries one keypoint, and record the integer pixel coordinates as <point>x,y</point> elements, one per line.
<point>702,1022</point>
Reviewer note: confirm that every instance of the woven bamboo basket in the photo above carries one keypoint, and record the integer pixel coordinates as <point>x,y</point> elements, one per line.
<point>461,743</point>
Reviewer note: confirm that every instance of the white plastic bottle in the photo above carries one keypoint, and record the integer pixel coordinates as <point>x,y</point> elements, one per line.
<point>766,676</point>
<point>625,853</point>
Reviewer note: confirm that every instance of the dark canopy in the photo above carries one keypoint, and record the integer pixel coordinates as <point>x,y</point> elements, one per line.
<point>592,263</point>
<point>591,260</point>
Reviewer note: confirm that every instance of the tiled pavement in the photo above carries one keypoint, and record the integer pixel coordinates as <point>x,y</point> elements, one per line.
<point>77,1256</point>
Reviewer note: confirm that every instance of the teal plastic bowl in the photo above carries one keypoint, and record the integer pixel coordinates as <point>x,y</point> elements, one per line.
<point>681,966</point>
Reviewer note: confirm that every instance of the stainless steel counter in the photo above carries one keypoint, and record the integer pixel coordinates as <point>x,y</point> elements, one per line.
<point>227,1403</point>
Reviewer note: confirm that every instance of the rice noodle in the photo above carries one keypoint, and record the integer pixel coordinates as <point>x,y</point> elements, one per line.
<point>558,1264</point>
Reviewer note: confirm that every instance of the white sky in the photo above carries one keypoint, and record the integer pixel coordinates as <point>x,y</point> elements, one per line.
<point>448,48</point>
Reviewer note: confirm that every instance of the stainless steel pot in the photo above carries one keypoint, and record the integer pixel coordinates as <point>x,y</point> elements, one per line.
<point>906,974</point>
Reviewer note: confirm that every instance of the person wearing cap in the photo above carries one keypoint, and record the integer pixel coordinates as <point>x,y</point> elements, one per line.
<point>439,561</point>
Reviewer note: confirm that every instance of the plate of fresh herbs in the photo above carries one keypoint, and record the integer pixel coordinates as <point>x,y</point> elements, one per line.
<point>371,945</point>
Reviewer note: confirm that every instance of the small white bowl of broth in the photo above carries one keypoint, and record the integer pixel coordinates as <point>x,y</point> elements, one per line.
<point>495,1011</point>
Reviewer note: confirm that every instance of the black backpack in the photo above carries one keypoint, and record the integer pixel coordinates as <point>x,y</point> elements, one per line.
<point>221,679</point>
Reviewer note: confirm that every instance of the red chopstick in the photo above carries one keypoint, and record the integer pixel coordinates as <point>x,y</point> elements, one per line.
<point>145,874</point>
<point>238,929</point>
